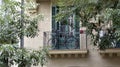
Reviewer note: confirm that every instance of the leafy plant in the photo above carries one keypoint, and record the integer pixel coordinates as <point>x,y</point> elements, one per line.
<point>7,55</point>
<point>10,55</point>
<point>43,56</point>
<point>102,12</point>
<point>12,27</point>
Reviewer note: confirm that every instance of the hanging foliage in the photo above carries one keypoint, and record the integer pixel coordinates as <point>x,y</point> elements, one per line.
<point>102,12</point>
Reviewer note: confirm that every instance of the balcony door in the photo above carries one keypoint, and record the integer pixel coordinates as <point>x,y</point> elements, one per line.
<point>67,31</point>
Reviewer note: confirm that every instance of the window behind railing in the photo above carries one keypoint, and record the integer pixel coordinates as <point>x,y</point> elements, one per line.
<point>65,32</point>
<point>65,40</point>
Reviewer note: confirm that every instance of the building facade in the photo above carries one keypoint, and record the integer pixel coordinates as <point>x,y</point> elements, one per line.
<point>69,44</point>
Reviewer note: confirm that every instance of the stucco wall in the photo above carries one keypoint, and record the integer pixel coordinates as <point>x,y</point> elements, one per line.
<point>93,60</point>
<point>44,25</point>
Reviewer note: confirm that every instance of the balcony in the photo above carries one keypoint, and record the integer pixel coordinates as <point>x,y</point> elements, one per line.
<point>112,51</point>
<point>66,44</point>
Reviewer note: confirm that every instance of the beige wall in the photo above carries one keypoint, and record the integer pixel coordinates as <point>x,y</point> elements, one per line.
<point>44,25</point>
<point>93,60</point>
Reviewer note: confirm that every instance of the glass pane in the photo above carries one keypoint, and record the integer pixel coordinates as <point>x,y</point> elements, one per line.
<point>66,36</point>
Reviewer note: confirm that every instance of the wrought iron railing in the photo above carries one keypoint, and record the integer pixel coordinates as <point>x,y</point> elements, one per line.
<point>65,40</point>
